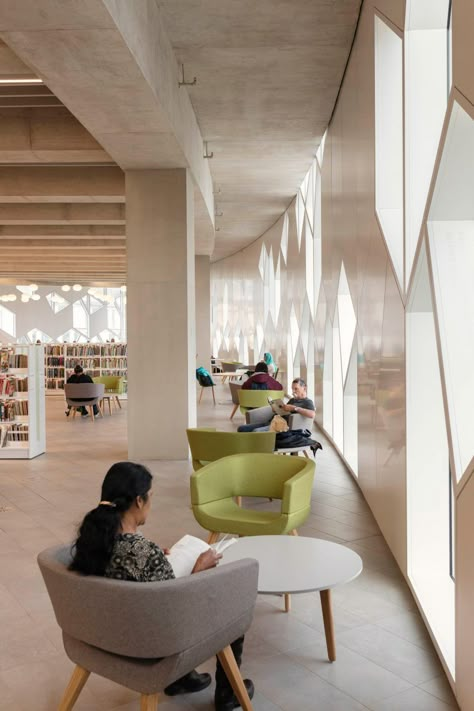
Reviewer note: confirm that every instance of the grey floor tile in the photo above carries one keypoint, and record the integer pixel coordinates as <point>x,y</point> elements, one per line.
<point>414,699</point>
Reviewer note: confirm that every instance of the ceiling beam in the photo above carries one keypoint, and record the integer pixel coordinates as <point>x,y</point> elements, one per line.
<point>62,214</point>
<point>61,231</point>
<point>62,184</point>
<point>44,135</point>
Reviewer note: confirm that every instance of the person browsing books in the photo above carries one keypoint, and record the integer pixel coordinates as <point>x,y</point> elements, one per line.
<point>261,380</point>
<point>109,544</point>
<point>300,403</point>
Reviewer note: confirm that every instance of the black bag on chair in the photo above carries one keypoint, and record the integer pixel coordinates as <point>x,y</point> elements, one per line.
<point>296,438</point>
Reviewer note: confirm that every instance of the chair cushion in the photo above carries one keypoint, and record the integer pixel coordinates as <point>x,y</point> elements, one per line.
<point>226,516</point>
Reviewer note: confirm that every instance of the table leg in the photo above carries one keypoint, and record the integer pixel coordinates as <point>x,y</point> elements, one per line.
<point>328,623</point>
<point>287,602</point>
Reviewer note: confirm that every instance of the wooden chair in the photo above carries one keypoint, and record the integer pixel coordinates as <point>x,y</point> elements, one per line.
<point>234,391</point>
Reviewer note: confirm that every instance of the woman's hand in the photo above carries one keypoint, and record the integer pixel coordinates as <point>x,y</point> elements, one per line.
<point>208,559</point>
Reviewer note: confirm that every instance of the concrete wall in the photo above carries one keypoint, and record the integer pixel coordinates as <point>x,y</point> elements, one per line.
<point>323,292</point>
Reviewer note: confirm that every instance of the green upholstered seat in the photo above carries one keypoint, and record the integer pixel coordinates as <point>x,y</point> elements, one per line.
<point>257,398</point>
<point>214,487</point>
<point>208,445</point>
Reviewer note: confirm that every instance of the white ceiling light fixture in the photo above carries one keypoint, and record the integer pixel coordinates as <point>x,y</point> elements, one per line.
<point>35,297</point>
<point>77,287</point>
<point>21,80</point>
<point>11,297</point>
<point>65,287</point>
<point>123,287</point>
<point>34,287</point>
<point>25,298</point>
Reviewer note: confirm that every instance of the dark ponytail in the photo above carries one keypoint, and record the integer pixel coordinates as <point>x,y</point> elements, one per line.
<point>96,536</point>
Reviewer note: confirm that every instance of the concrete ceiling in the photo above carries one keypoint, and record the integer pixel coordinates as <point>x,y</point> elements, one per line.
<point>267,73</point>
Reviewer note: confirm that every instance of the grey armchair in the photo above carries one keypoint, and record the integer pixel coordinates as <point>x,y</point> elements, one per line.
<point>262,415</point>
<point>146,635</point>
<point>84,395</point>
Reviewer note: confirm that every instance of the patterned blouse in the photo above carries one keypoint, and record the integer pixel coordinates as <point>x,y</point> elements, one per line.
<point>136,558</point>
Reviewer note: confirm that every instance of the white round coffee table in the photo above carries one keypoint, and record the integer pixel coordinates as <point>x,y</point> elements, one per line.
<point>294,565</point>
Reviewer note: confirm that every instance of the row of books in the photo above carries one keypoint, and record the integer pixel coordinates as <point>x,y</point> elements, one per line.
<point>114,363</point>
<point>13,360</point>
<point>7,386</point>
<point>54,372</point>
<point>85,362</point>
<point>96,349</point>
<point>10,409</point>
<point>55,360</point>
<point>55,383</point>
<point>13,433</point>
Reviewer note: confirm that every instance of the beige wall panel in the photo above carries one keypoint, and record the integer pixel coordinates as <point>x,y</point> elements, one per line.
<point>394,10</point>
<point>464,596</point>
<point>463,47</point>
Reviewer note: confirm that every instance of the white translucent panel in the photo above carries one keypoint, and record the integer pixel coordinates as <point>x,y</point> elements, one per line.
<point>37,335</point>
<point>294,331</point>
<point>113,317</point>
<point>320,151</point>
<point>289,361</point>
<point>262,261</point>
<point>451,234</point>
<point>389,140</point>
<point>309,265</point>
<point>452,250</point>
<point>259,340</point>
<point>337,387</point>
<point>80,317</point>
<point>304,186</point>
<point>284,238</point>
<point>310,377</point>
<point>277,290</point>
<point>351,412</point>
<point>7,321</point>
<point>106,335</point>
<point>428,477</point>
<point>243,349</point>
<point>93,304</point>
<point>425,106</point>
<point>426,14</point>
<point>317,251</point>
<point>346,320</point>
<point>299,213</point>
<point>305,330</point>
<point>225,305</point>
<point>327,379</point>
<point>452,197</point>
<point>57,302</point>
<point>72,336</point>
<point>310,195</point>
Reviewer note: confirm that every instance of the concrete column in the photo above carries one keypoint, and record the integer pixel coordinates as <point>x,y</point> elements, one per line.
<point>203,312</point>
<point>160,313</point>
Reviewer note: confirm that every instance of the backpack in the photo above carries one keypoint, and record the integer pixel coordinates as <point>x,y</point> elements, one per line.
<point>203,377</point>
<point>296,438</point>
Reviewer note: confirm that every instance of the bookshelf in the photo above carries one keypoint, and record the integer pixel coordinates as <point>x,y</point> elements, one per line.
<point>22,406</point>
<point>96,358</point>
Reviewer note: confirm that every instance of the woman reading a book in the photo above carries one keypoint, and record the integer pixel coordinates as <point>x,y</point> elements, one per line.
<point>109,544</point>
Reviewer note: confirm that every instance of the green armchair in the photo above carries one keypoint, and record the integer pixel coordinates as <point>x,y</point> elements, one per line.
<point>257,398</point>
<point>113,387</point>
<point>208,445</point>
<point>215,485</point>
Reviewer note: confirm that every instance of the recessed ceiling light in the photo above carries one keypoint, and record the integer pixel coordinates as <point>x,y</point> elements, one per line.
<point>65,287</point>
<point>35,297</point>
<point>20,80</point>
<point>77,287</point>
<point>34,287</point>
<point>25,298</point>
<point>123,287</point>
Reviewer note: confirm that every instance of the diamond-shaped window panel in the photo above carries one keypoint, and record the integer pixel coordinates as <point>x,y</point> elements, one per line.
<point>72,336</point>
<point>426,80</point>
<point>389,140</point>
<point>284,238</point>
<point>7,321</point>
<point>347,320</point>
<point>57,302</point>
<point>451,236</point>
<point>37,335</point>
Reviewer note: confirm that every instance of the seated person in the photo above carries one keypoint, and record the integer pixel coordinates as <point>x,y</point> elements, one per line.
<point>109,544</point>
<point>272,366</point>
<point>299,403</point>
<point>261,380</point>
<point>80,377</point>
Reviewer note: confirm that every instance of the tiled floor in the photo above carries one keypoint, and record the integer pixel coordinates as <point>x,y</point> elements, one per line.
<point>385,661</point>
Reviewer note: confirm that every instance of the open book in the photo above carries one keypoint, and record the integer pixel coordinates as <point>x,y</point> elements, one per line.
<point>277,406</point>
<point>186,551</point>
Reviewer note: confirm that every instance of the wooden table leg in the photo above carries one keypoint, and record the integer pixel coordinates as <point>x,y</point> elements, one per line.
<point>328,623</point>
<point>287,602</point>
